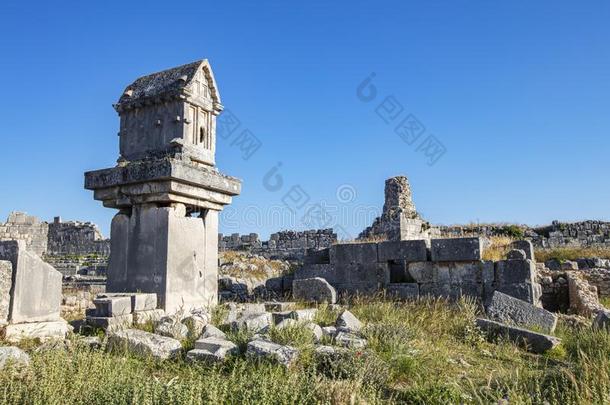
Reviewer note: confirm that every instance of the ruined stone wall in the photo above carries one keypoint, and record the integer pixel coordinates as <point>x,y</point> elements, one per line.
<point>558,234</point>
<point>76,238</point>
<point>291,245</point>
<point>447,268</point>
<point>30,229</point>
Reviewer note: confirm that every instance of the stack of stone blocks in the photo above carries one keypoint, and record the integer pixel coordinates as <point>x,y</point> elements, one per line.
<point>30,295</point>
<point>410,268</point>
<point>121,310</point>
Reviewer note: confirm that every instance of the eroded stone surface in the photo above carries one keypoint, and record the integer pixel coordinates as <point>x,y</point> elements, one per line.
<point>507,309</point>
<point>14,356</point>
<point>347,321</point>
<point>144,343</point>
<point>533,341</point>
<point>284,355</point>
<point>314,290</point>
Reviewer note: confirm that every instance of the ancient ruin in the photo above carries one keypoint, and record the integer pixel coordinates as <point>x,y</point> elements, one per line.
<point>399,219</point>
<point>164,239</point>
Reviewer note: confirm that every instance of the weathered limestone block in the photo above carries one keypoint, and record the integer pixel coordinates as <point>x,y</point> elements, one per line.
<point>516,254</point>
<point>172,328</point>
<point>510,310</point>
<point>314,290</point>
<point>284,355</point>
<point>279,306</point>
<point>354,253</point>
<point>518,279</point>
<point>403,290</point>
<point>348,322</point>
<point>533,341</point>
<point>31,277</point>
<point>316,331</point>
<point>6,281</point>
<point>422,272</point>
<point>107,306</point>
<point>143,317</point>
<point>526,246</point>
<point>347,339</point>
<point>37,330</point>
<point>173,256</point>
<point>407,250</point>
<point>211,331</point>
<point>253,322</point>
<point>144,343</point>
<point>14,356</point>
<point>111,323</point>
<point>302,315</point>
<point>455,250</point>
<point>361,278</point>
<point>217,347</point>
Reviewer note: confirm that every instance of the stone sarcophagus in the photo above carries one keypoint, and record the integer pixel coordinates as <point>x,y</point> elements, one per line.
<point>164,239</point>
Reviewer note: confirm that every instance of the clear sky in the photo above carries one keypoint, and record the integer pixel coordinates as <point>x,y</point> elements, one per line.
<point>516,95</point>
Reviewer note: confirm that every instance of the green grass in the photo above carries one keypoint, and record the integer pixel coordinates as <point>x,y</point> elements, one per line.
<point>423,352</point>
<point>561,254</point>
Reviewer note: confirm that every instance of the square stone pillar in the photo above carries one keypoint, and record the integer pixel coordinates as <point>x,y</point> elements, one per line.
<point>161,250</point>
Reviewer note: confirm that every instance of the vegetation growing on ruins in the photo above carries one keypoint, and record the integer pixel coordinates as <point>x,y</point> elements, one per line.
<point>427,351</point>
<point>562,254</point>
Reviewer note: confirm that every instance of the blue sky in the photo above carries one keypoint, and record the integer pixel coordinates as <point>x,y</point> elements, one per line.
<point>515,92</point>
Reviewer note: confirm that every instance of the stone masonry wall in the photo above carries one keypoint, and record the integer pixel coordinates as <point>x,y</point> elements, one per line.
<point>558,234</point>
<point>289,245</point>
<point>447,268</point>
<point>76,238</point>
<point>30,229</point>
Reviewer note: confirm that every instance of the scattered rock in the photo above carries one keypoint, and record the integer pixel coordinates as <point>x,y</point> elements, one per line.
<point>304,314</point>
<point>284,355</point>
<point>13,355</point>
<point>533,341</point>
<point>507,309</point>
<point>329,331</point>
<point>253,322</point>
<point>316,330</point>
<point>350,340</point>
<point>195,323</point>
<point>287,323</point>
<point>144,343</point>
<point>172,328</point>
<point>602,320</point>
<point>347,321</point>
<point>210,330</point>
<point>212,350</point>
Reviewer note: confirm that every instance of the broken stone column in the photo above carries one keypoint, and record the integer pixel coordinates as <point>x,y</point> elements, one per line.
<point>30,295</point>
<point>164,239</point>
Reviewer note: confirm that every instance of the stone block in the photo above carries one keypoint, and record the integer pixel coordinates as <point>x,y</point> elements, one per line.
<point>516,254</point>
<point>317,256</point>
<point>314,290</point>
<point>262,349</point>
<point>216,345</point>
<point>279,306</point>
<point>532,341</point>
<point>253,322</point>
<point>171,328</point>
<point>143,317</point>
<point>32,276</point>
<point>13,356</point>
<point>6,281</point>
<point>515,271</point>
<point>107,306</point>
<point>407,250</point>
<point>524,291</point>
<point>403,291</point>
<point>304,315</point>
<point>421,272</point>
<point>455,250</point>
<point>506,309</point>
<point>111,323</point>
<point>353,253</point>
<point>348,321</point>
<point>144,343</point>
<point>325,271</point>
<point>347,339</point>
<point>526,246</point>
<point>602,320</point>
<point>210,331</point>
<point>37,330</point>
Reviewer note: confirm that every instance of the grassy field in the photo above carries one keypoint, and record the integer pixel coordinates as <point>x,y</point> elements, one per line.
<point>424,352</point>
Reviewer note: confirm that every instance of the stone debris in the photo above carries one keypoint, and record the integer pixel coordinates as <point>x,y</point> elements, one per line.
<point>314,289</point>
<point>284,355</point>
<point>171,327</point>
<point>348,322</point>
<point>329,331</point>
<point>212,349</point>
<point>144,343</point>
<point>347,339</point>
<point>602,320</point>
<point>55,330</point>
<point>582,295</point>
<point>287,323</point>
<point>316,331</point>
<point>510,310</point>
<point>13,355</point>
<point>304,314</point>
<point>108,306</point>
<point>211,331</point>
<point>535,342</point>
<point>279,306</point>
<point>111,323</point>
<point>254,322</point>
<point>195,323</point>
<point>526,246</point>
<point>143,317</point>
